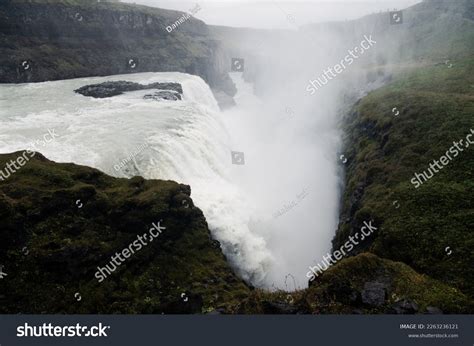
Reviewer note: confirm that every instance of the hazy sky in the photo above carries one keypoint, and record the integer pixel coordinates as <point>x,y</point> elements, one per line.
<point>278,14</point>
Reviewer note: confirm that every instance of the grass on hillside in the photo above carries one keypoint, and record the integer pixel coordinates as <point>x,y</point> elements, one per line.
<point>436,107</point>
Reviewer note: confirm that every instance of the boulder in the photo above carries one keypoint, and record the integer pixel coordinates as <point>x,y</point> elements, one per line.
<point>278,307</point>
<point>114,88</point>
<point>374,293</point>
<point>403,307</point>
<point>431,310</point>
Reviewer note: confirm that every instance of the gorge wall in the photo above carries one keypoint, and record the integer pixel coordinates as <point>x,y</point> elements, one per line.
<point>43,40</point>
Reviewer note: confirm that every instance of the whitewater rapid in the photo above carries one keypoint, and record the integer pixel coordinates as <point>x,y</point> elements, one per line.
<point>185,141</point>
<point>274,216</point>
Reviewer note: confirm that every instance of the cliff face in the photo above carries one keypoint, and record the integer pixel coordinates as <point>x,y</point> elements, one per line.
<point>423,209</point>
<point>49,40</point>
<point>60,224</point>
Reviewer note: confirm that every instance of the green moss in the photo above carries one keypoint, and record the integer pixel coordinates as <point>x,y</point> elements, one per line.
<point>436,105</point>
<point>339,289</point>
<point>66,243</point>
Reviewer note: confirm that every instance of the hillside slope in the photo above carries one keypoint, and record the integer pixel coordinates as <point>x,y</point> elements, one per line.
<point>60,222</point>
<point>49,40</point>
<point>393,135</point>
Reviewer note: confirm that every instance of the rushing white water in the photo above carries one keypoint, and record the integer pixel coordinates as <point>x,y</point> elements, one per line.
<point>184,141</point>
<point>274,215</point>
<point>291,175</point>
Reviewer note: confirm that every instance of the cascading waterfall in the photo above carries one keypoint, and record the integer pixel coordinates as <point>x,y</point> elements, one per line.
<point>274,216</point>
<point>291,175</point>
<point>125,135</point>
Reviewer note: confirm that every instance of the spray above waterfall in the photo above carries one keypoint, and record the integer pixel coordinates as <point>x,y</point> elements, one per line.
<point>266,173</point>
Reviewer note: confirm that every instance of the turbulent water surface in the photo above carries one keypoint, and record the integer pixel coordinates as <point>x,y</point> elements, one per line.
<point>274,215</point>
<point>184,141</point>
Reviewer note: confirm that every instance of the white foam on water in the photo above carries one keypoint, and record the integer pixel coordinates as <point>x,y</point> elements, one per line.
<point>185,141</point>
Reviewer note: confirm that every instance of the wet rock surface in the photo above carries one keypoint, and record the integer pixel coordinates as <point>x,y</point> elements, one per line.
<point>109,89</point>
<point>432,310</point>
<point>164,95</point>
<point>374,293</point>
<point>403,307</point>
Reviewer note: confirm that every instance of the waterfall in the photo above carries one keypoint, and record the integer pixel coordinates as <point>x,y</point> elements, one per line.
<point>126,135</point>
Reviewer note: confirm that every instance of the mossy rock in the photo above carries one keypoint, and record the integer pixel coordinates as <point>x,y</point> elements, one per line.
<point>59,222</point>
<point>363,284</point>
<point>345,288</point>
<point>427,227</point>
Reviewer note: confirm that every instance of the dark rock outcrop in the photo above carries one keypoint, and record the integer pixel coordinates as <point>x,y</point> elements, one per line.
<point>278,307</point>
<point>109,89</point>
<point>404,306</point>
<point>167,95</point>
<point>374,293</point>
<point>432,310</point>
<point>60,222</point>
